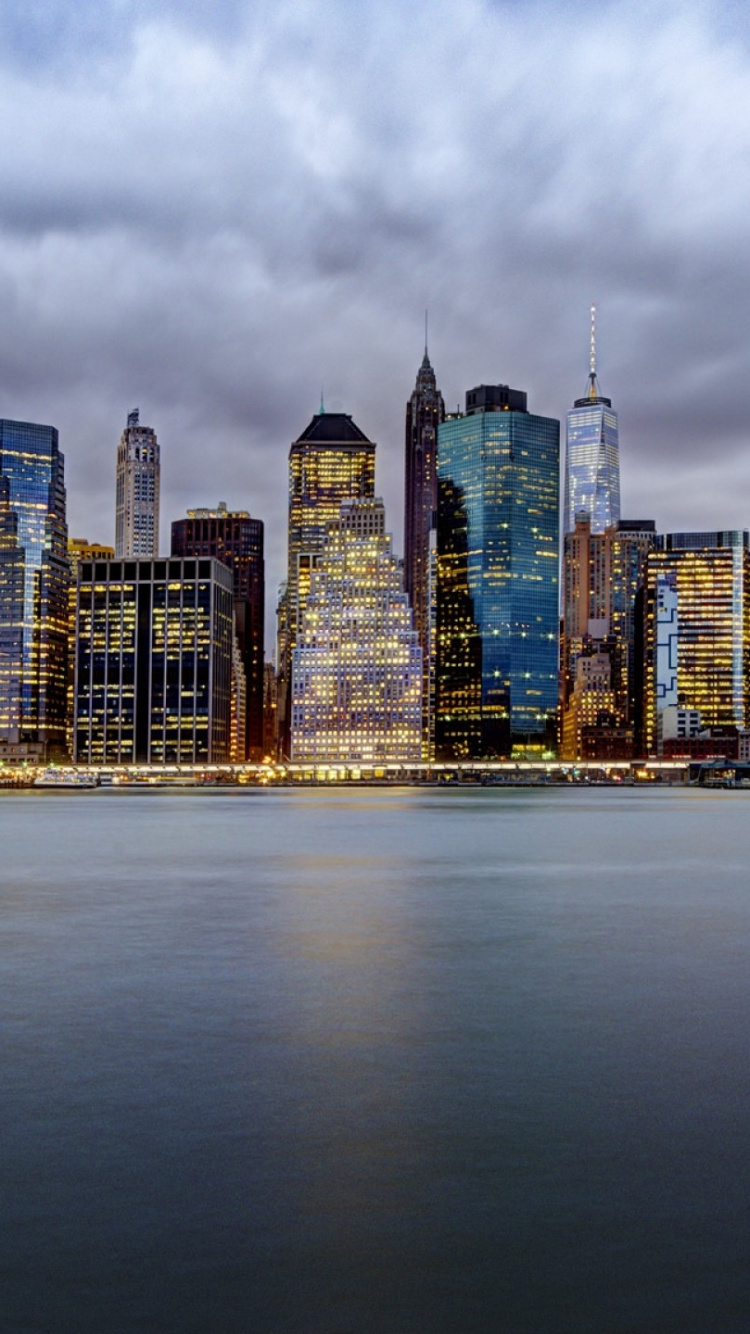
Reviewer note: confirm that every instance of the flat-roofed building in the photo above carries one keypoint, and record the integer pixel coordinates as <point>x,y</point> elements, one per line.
<point>152,662</point>
<point>697,630</point>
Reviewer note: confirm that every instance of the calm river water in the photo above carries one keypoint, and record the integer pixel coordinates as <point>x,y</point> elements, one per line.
<point>375,1062</point>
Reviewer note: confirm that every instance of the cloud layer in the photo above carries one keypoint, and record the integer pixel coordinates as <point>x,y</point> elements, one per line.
<point>213,214</point>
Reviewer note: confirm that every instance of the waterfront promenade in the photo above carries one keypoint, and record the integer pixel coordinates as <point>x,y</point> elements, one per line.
<point>521,773</point>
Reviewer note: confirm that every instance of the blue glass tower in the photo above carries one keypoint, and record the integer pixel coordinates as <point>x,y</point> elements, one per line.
<point>592,456</point>
<point>33,585</point>
<point>498,549</point>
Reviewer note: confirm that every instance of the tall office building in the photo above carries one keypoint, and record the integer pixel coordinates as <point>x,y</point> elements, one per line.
<point>602,573</point>
<point>332,461</point>
<point>424,413</point>
<point>34,577</point>
<point>153,662</point>
<point>236,539</point>
<point>498,547</point>
<point>697,630</point>
<point>137,494</point>
<point>357,666</point>
<point>592,456</point>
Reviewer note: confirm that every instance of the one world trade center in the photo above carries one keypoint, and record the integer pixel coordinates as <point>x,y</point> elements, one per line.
<point>592,459</point>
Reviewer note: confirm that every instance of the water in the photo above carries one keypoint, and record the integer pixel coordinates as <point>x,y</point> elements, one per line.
<point>375,1061</point>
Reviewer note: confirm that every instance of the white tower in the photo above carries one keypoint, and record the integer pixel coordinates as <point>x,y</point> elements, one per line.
<point>137,501</point>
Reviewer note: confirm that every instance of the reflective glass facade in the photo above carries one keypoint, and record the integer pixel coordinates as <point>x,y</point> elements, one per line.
<point>357,667</point>
<point>153,660</point>
<point>498,548</point>
<point>707,576</point>
<point>592,464</point>
<point>34,576</point>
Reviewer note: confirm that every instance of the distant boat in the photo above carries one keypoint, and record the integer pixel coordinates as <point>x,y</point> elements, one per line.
<point>70,779</point>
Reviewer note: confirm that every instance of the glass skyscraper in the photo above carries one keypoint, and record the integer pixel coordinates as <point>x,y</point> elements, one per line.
<point>498,548</point>
<point>592,456</point>
<point>34,575</point>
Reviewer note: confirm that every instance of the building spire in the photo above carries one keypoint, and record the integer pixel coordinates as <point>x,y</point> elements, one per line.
<point>592,355</point>
<point>425,333</point>
<point>322,408</point>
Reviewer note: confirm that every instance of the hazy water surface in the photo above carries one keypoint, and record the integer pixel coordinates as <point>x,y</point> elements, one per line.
<point>342,1062</point>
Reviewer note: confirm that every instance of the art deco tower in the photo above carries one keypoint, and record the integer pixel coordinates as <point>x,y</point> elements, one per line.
<point>592,461</point>
<point>424,413</point>
<point>137,502</point>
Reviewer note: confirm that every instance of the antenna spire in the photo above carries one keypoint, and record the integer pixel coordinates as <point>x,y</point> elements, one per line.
<point>425,332</point>
<point>592,354</point>
<point>322,409</point>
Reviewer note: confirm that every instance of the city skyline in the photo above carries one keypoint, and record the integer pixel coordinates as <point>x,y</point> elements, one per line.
<point>300,239</point>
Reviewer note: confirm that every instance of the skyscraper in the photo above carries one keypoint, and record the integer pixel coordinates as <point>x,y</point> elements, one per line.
<point>160,690</point>
<point>592,456</point>
<point>697,629</point>
<point>602,573</point>
<point>498,543</point>
<point>236,539</point>
<point>137,495</point>
<point>424,413</point>
<point>332,461</point>
<point>357,667</point>
<point>34,576</point>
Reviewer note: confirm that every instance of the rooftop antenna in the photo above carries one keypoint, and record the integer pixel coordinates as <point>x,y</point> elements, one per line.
<point>592,354</point>
<point>425,332</point>
<point>322,409</point>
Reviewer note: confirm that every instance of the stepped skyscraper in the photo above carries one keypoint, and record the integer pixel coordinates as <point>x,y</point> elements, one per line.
<point>424,413</point>
<point>330,462</point>
<point>592,459</point>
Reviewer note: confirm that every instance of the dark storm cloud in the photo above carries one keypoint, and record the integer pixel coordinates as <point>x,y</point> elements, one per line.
<point>214,212</point>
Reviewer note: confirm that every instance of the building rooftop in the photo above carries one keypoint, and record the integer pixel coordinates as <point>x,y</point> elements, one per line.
<point>333,428</point>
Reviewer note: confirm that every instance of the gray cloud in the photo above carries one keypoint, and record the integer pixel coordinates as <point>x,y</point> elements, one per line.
<point>214,213</point>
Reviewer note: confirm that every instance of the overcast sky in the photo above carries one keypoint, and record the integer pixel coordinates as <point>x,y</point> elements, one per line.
<point>211,211</point>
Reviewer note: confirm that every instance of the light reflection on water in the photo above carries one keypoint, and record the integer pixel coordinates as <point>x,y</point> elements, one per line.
<point>375,1060</point>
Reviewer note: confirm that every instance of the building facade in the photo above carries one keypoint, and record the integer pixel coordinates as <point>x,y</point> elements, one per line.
<point>332,461</point>
<point>153,662</point>
<point>697,630</point>
<point>236,539</point>
<point>592,455</point>
<point>498,599</point>
<point>357,666</point>
<point>602,575</point>
<point>34,577</point>
<point>424,413</point>
<point>137,491</point>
